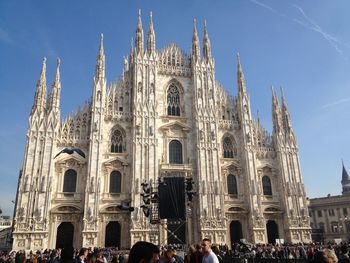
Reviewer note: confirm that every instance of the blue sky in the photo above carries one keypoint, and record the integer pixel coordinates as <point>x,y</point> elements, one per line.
<point>303,46</point>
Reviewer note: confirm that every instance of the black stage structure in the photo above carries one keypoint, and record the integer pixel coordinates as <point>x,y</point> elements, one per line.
<point>169,199</point>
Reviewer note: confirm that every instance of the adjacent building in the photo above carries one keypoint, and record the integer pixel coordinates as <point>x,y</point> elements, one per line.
<point>167,116</point>
<point>329,216</point>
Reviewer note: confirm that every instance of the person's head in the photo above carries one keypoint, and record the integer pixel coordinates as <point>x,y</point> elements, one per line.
<point>206,246</point>
<point>83,252</point>
<point>67,253</point>
<point>199,247</point>
<point>331,256</point>
<point>92,258</point>
<point>344,249</point>
<point>143,252</point>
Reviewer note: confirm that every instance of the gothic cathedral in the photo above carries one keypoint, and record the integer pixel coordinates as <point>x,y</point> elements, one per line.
<point>167,116</point>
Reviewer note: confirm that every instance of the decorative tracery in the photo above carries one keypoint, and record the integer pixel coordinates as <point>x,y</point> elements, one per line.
<point>117,141</point>
<point>173,99</point>
<point>228,148</point>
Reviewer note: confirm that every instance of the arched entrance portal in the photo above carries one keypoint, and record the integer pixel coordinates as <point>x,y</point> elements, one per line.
<point>236,231</point>
<point>112,234</point>
<point>272,231</point>
<point>65,233</point>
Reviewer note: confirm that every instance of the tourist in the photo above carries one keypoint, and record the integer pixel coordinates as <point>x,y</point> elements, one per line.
<point>208,255</point>
<point>143,252</point>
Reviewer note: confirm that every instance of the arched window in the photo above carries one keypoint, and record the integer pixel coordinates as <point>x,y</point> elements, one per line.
<point>117,141</point>
<point>266,183</point>
<point>232,184</point>
<point>70,181</point>
<point>115,182</point>
<point>173,98</point>
<point>175,152</point>
<point>228,148</point>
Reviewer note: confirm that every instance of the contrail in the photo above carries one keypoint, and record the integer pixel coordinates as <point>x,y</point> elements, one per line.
<point>309,24</point>
<point>341,101</point>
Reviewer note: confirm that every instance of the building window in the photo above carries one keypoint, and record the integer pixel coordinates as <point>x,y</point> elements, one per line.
<point>319,213</point>
<point>331,212</point>
<point>334,227</point>
<point>117,141</point>
<point>70,181</point>
<point>228,148</point>
<point>173,99</point>
<point>175,152</point>
<point>115,182</point>
<point>232,185</point>
<point>321,226</point>
<point>266,182</point>
<point>345,211</point>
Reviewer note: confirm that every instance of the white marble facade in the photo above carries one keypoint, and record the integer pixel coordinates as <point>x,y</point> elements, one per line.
<point>162,96</point>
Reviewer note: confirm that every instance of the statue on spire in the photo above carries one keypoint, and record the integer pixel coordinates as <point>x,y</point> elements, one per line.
<point>139,35</point>
<point>40,93</point>
<point>206,44</point>
<point>100,64</point>
<point>54,101</point>
<point>151,37</point>
<point>195,44</point>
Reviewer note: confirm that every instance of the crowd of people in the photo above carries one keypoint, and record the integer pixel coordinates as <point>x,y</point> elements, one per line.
<point>205,252</point>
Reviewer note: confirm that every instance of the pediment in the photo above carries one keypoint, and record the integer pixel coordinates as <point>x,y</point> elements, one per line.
<point>66,209</point>
<point>74,157</point>
<point>116,160</point>
<point>234,165</point>
<point>272,209</point>
<point>175,125</point>
<point>237,209</point>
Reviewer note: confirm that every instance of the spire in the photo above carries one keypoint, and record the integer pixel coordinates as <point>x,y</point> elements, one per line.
<point>240,77</point>
<point>276,113</point>
<point>100,64</point>
<point>287,123</point>
<point>206,44</point>
<point>345,175</point>
<point>139,35</point>
<point>54,102</point>
<point>195,43</point>
<point>40,93</point>
<point>151,37</point>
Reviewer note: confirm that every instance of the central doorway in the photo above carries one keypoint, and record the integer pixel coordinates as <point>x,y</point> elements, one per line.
<point>65,234</point>
<point>236,231</point>
<point>272,231</point>
<point>112,234</point>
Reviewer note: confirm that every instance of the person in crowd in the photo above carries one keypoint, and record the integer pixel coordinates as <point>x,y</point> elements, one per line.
<point>344,256</point>
<point>208,255</point>
<point>197,256</point>
<point>67,255</point>
<point>143,252</point>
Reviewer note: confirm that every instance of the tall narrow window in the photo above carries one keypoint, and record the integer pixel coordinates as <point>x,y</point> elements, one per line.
<point>228,148</point>
<point>115,182</point>
<point>175,152</point>
<point>266,183</point>
<point>70,181</point>
<point>117,141</point>
<point>173,98</point>
<point>232,185</point>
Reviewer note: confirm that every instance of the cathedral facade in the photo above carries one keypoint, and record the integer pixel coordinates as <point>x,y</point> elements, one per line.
<point>167,116</point>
